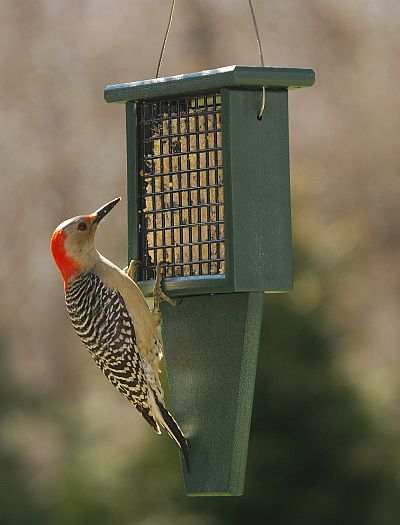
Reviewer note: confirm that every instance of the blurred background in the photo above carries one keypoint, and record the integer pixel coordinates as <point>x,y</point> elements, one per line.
<point>324,446</point>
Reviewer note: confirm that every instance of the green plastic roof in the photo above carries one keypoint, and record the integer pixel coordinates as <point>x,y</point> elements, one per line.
<point>208,80</point>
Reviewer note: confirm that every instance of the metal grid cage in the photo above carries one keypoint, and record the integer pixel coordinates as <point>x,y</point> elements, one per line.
<point>181,186</point>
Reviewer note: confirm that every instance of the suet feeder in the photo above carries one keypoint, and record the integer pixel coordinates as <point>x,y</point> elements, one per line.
<point>209,195</point>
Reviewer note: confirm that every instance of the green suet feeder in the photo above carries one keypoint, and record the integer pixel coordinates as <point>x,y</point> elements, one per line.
<point>209,194</point>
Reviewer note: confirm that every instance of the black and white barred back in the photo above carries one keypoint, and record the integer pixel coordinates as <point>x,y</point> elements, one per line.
<point>102,321</point>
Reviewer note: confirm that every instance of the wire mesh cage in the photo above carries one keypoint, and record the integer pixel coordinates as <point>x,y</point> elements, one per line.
<point>181,186</point>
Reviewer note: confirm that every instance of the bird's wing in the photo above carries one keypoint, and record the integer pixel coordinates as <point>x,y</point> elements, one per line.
<point>133,349</point>
<point>124,365</point>
<point>146,326</point>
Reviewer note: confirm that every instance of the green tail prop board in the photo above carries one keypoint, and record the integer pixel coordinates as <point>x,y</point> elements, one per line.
<point>211,345</point>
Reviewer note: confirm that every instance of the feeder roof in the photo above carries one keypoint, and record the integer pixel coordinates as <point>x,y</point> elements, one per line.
<point>250,77</point>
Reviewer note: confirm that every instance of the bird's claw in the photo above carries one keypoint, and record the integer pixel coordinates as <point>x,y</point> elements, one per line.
<point>132,269</point>
<point>158,293</point>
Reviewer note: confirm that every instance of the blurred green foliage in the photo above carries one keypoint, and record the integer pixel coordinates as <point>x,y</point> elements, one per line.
<point>316,456</point>
<point>17,504</point>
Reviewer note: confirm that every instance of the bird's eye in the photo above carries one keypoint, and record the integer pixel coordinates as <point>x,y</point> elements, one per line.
<point>82,226</point>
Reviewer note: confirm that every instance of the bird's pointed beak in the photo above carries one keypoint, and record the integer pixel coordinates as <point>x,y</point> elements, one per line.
<point>104,210</point>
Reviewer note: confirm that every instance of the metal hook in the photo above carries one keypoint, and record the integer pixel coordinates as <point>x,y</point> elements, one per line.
<point>260,50</point>
<point>260,113</point>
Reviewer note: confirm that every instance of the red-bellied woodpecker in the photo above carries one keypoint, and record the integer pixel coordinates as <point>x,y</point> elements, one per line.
<point>111,316</point>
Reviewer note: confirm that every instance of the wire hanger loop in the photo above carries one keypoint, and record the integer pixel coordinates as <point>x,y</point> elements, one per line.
<point>260,50</point>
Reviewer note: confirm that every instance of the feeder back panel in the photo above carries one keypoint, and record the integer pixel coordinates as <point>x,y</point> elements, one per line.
<point>209,195</point>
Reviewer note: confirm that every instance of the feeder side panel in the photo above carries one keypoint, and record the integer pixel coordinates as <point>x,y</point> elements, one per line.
<point>256,156</point>
<point>132,182</point>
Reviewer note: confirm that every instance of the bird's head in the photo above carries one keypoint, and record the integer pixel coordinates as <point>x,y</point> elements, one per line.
<point>72,242</point>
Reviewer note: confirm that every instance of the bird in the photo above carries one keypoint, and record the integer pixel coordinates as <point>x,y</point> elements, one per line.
<point>111,316</point>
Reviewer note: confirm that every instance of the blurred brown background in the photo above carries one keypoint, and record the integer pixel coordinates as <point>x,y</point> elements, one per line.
<point>64,432</point>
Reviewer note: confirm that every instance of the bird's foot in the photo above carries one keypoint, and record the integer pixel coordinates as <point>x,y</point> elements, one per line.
<point>132,269</point>
<point>158,293</point>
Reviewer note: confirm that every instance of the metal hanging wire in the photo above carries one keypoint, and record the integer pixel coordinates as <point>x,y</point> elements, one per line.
<point>260,51</point>
<point>171,14</point>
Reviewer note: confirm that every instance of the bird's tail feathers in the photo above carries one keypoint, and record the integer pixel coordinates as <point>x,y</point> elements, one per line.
<point>174,431</point>
<point>145,412</point>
